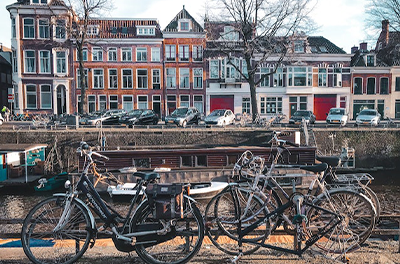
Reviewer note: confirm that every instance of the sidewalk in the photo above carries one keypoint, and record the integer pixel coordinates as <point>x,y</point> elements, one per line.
<point>375,252</point>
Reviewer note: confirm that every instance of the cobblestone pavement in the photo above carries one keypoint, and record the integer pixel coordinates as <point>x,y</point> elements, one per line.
<point>374,252</point>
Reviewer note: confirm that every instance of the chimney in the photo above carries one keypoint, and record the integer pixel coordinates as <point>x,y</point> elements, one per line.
<point>363,46</point>
<point>385,31</point>
<point>354,49</point>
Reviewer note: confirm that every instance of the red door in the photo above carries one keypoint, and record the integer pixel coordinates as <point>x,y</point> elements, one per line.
<point>222,102</point>
<point>322,104</point>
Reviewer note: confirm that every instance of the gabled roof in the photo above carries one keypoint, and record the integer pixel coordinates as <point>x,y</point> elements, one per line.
<point>183,14</point>
<point>320,44</point>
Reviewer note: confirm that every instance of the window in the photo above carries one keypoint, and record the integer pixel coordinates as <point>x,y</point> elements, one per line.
<point>84,54</point>
<point>112,79</point>
<point>156,79</point>
<point>271,105</point>
<point>278,78</point>
<point>112,54</point>
<point>113,102</point>
<point>303,103</point>
<point>44,31</point>
<point>61,62</point>
<point>142,102</point>
<point>44,56</point>
<point>60,29</point>
<point>98,79</point>
<point>92,103</point>
<point>102,102</point>
<point>127,79</point>
<point>145,31</point>
<point>197,53</point>
<point>13,28</point>
<point>78,78</point>
<point>198,103</point>
<point>78,99</point>
<point>337,77</point>
<point>228,70</point>
<point>184,78</point>
<point>170,52</point>
<point>298,46</point>
<point>92,30</point>
<point>343,101</point>
<point>184,101</point>
<point>230,33</point>
<point>124,30</point>
<point>246,105</point>
<point>31,97</point>
<point>114,30</point>
<point>127,102</point>
<point>126,54</point>
<point>142,79</point>
<point>322,77</point>
<point>397,87</point>
<point>45,97</point>
<point>14,61</point>
<point>384,87</point>
<point>29,28</point>
<point>155,54</point>
<point>214,69</point>
<point>30,66</point>
<point>358,85</point>
<point>184,26</point>
<point>16,97</point>
<point>183,53</point>
<point>264,78</point>
<point>141,54</point>
<point>39,1</point>
<point>370,60</point>
<point>371,86</point>
<point>171,78</point>
<point>244,69</point>
<point>97,54</point>
<point>197,78</point>
<point>300,76</point>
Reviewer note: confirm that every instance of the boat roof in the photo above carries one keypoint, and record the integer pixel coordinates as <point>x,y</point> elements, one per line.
<point>20,147</point>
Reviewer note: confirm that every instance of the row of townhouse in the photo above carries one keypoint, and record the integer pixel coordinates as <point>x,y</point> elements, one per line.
<point>132,63</point>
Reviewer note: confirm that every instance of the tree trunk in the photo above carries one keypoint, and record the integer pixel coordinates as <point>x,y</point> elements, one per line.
<point>82,83</point>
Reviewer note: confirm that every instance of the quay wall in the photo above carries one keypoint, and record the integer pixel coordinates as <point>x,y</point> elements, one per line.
<point>373,147</point>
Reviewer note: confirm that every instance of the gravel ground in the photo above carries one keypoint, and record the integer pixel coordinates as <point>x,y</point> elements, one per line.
<point>374,252</point>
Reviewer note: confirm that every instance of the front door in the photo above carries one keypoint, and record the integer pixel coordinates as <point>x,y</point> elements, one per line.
<point>3,168</point>
<point>61,100</point>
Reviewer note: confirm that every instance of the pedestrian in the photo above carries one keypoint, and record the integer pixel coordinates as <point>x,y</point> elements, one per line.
<point>6,113</point>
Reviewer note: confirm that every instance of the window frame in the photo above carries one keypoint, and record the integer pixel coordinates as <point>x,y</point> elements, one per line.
<point>86,70</point>
<point>48,64</point>
<point>358,90</point>
<point>171,77</point>
<point>128,78</point>
<point>44,28</point>
<point>184,77</point>
<point>112,78</point>
<point>184,54</point>
<point>126,54</point>
<point>156,79</point>
<point>31,93</point>
<point>155,54</point>
<point>60,30</point>
<point>381,85</point>
<point>196,77</point>
<point>97,54</point>
<point>142,81</point>
<point>98,78</point>
<point>30,58</point>
<point>170,53</point>
<point>28,30</point>
<point>141,54</point>
<point>214,75</point>
<point>368,85</point>
<point>63,60</point>
<point>140,102</point>
<point>197,53</point>
<point>112,53</point>
<point>47,93</point>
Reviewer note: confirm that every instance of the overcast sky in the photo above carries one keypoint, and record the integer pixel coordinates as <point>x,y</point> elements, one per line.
<point>340,21</point>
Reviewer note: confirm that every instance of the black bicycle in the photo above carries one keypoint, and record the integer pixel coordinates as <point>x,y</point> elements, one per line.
<point>162,224</point>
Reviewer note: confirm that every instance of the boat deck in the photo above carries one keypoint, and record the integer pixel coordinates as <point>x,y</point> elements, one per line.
<point>21,180</point>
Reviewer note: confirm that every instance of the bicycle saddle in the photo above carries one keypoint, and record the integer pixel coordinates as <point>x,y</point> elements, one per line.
<point>315,168</point>
<point>147,176</point>
<point>332,161</point>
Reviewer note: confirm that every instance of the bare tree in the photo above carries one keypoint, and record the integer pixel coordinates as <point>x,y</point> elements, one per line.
<point>378,10</point>
<point>263,28</point>
<point>81,13</point>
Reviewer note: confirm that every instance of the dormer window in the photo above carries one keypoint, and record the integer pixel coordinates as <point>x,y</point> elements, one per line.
<point>184,25</point>
<point>39,2</point>
<point>299,46</point>
<point>230,33</point>
<point>93,30</point>
<point>145,31</point>
<point>323,49</point>
<point>370,60</point>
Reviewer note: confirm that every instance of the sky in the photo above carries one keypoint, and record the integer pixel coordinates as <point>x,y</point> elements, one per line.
<point>340,21</point>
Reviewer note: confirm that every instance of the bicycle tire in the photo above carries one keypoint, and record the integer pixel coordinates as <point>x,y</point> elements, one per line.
<point>359,220</point>
<point>221,217</point>
<point>42,245</point>
<point>182,244</point>
<point>375,200</point>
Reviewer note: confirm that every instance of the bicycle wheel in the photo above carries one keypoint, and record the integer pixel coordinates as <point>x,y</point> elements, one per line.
<point>178,245</point>
<point>222,215</point>
<point>375,201</point>
<point>358,215</point>
<point>42,244</point>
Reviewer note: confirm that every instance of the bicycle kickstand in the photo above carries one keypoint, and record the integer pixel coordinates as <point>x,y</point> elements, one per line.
<point>237,258</point>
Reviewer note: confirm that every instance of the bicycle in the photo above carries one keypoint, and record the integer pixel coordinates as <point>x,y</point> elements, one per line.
<point>223,212</point>
<point>61,228</point>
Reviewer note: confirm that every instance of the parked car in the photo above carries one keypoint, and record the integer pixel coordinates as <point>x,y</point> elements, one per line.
<point>220,117</point>
<point>139,117</point>
<point>1,120</point>
<point>184,116</point>
<point>110,117</point>
<point>368,117</point>
<point>298,116</point>
<point>337,116</point>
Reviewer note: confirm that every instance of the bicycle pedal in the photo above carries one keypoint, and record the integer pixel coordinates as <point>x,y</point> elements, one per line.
<point>346,259</point>
<point>92,242</point>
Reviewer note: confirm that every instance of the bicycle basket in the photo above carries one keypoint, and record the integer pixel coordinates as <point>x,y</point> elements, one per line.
<point>166,199</point>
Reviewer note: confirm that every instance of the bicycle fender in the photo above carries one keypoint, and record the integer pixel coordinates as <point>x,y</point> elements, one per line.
<point>92,221</point>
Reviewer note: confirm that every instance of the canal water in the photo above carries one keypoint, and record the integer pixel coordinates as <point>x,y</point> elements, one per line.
<point>15,203</point>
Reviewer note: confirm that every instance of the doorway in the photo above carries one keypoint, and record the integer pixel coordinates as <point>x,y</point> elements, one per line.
<point>61,100</point>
